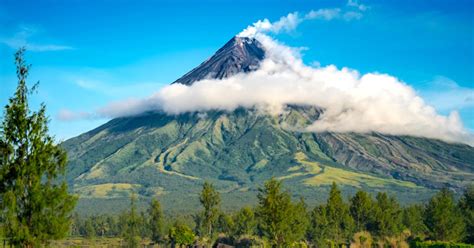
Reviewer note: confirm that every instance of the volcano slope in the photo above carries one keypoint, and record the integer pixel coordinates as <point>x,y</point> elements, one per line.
<point>169,156</point>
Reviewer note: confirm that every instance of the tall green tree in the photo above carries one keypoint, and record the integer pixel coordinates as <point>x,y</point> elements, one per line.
<point>388,216</point>
<point>443,218</point>
<point>131,233</point>
<point>89,229</point>
<point>225,224</point>
<point>156,221</point>
<point>413,220</point>
<point>244,222</point>
<point>466,204</point>
<point>210,200</point>
<point>35,204</point>
<point>319,232</point>
<point>340,222</point>
<point>361,207</point>
<point>280,221</point>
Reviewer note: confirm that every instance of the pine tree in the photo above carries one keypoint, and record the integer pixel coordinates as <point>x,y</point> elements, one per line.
<point>388,216</point>
<point>156,221</point>
<point>298,221</point>
<point>280,221</point>
<point>225,224</point>
<point>361,207</point>
<point>35,204</point>
<point>89,230</point>
<point>340,223</point>
<point>413,220</point>
<point>319,232</point>
<point>443,218</point>
<point>210,200</point>
<point>466,204</point>
<point>132,229</point>
<point>245,222</point>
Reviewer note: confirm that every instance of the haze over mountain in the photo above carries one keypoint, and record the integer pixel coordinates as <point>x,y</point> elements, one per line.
<point>253,111</point>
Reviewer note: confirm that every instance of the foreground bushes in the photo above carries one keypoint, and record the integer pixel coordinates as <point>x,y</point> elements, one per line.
<point>439,244</point>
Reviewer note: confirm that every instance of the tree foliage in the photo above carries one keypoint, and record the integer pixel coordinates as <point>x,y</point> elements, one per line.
<point>361,208</point>
<point>35,202</point>
<point>443,218</point>
<point>156,221</point>
<point>466,204</point>
<point>131,232</point>
<point>280,221</point>
<point>413,220</point>
<point>244,222</point>
<point>181,234</point>
<point>388,216</point>
<point>340,224</point>
<point>210,200</point>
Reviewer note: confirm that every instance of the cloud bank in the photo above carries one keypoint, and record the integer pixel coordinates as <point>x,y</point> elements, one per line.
<point>352,102</point>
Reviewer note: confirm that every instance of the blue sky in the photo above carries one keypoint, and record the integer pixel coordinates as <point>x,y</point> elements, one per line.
<point>87,54</point>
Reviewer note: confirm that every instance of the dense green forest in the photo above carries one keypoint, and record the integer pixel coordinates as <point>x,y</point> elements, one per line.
<point>279,221</point>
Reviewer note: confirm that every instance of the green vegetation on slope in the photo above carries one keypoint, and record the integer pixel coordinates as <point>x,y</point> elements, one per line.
<point>238,150</point>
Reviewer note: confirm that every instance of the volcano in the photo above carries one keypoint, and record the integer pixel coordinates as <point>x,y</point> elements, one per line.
<point>170,156</point>
<point>239,54</point>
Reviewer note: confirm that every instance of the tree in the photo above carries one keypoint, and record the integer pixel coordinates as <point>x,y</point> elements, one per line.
<point>244,222</point>
<point>466,204</point>
<point>319,232</point>
<point>89,230</point>
<point>443,218</point>
<point>361,208</point>
<point>388,216</point>
<point>35,204</point>
<point>279,220</point>
<point>132,229</point>
<point>340,223</point>
<point>210,200</point>
<point>298,221</point>
<point>156,221</point>
<point>225,224</point>
<point>180,234</point>
<point>413,220</point>
<point>102,226</point>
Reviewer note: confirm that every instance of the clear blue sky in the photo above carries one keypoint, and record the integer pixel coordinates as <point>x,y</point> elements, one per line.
<point>88,53</point>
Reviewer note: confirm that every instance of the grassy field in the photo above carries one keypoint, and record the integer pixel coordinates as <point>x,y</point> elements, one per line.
<point>95,242</point>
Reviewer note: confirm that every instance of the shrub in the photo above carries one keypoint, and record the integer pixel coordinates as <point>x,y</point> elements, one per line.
<point>181,234</point>
<point>362,240</point>
<point>438,244</point>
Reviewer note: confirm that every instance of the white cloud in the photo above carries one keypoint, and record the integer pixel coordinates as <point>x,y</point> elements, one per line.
<point>292,20</point>
<point>67,115</point>
<point>352,102</point>
<point>357,5</point>
<point>324,14</point>
<point>21,39</point>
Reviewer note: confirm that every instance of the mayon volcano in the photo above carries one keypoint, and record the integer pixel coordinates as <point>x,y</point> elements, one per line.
<point>170,150</point>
